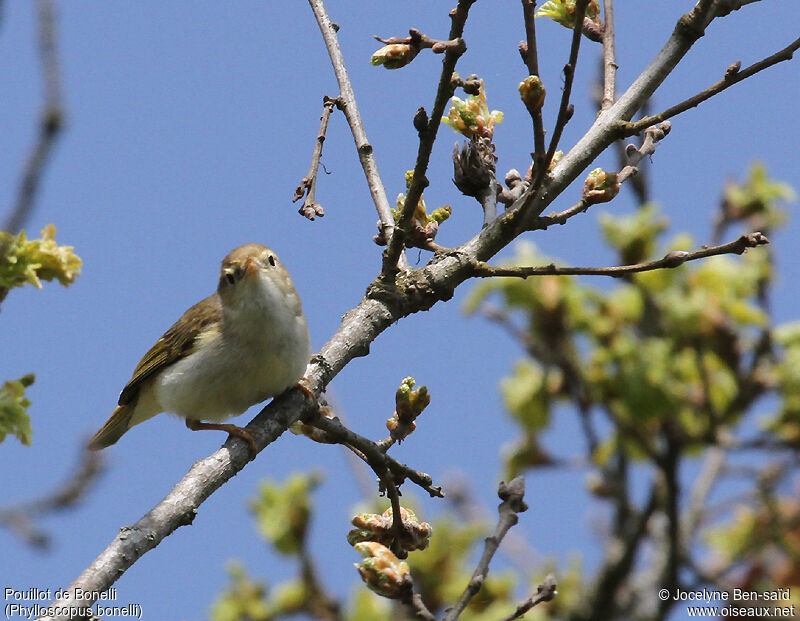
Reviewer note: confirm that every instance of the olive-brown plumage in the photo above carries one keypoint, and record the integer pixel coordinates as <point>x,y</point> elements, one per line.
<point>243,344</point>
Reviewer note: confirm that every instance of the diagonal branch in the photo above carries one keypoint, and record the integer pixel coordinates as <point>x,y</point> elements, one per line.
<point>671,260</point>
<point>512,495</point>
<point>545,592</point>
<point>565,109</point>
<point>605,129</point>
<point>732,76</point>
<point>51,120</point>
<point>350,109</point>
<point>427,136</point>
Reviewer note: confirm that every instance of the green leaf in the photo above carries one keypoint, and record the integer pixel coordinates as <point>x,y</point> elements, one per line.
<point>13,409</point>
<point>244,600</point>
<point>31,261</point>
<point>283,511</point>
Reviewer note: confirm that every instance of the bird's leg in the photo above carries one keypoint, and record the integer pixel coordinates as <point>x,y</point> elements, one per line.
<point>239,432</point>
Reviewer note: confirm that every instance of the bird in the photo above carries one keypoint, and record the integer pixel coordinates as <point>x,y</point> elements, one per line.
<point>240,346</point>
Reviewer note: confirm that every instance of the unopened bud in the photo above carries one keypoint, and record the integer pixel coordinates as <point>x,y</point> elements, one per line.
<point>600,187</point>
<point>394,55</point>
<point>532,92</point>
<point>381,570</point>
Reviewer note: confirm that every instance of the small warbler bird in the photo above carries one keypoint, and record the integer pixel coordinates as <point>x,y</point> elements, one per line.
<point>243,344</point>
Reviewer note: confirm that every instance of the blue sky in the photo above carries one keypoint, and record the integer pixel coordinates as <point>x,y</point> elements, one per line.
<point>189,124</point>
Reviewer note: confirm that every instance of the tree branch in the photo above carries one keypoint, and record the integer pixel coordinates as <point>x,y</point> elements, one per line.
<point>51,120</point>
<point>20,518</point>
<point>512,496</point>
<point>545,592</point>
<point>350,109</point>
<point>565,109</point>
<point>732,76</point>
<point>671,260</point>
<point>308,185</point>
<point>373,453</point>
<point>530,54</point>
<point>605,129</point>
<point>609,57</point>
<point>427,136</point>
<point>634,155</point>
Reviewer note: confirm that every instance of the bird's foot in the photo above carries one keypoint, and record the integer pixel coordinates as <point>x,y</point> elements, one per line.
<point>245,433</point>
<point>302,385</point>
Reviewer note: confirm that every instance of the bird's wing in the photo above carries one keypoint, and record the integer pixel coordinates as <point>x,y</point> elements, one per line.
<point>177,342</point>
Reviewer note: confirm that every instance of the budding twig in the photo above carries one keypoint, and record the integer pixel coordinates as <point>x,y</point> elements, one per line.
<point>635,155</point>
<point>419,181</point>
<point>670,260</point>
<point>732,76</point>
<point>529,55</point>
<point>373,454</point>
<point>565,109</point>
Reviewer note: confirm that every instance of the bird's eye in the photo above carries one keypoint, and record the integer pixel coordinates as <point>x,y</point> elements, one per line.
<point>271,260</point>
<point>230,277</point>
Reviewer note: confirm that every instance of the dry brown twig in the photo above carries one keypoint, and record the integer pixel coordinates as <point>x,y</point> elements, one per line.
<point>308,185</point>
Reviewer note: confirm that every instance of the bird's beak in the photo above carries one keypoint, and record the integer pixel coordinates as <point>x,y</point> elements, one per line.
<point>251,267</point>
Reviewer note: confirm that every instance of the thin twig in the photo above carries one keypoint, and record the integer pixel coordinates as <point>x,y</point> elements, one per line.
<point>713,466</point>
<point>20,519</point>
<point>414,603</point>
<point>672,259</point>
<point>350,109</point>
<point>609,57</point>
<point>374,454</point>
<point>565,110</point>
<point>51,120</point>
<point>634,155</point>
<point>308,185</point>
<point>427,136</point>
<point>732,76</point>
<point>545,592</point>
<point>530,55</point>
<point>512,496</point>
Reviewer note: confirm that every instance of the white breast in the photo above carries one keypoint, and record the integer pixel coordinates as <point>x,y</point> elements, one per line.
<point>258,354</point>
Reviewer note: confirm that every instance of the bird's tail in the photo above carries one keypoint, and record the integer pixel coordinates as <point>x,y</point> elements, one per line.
<point>117,424</point>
